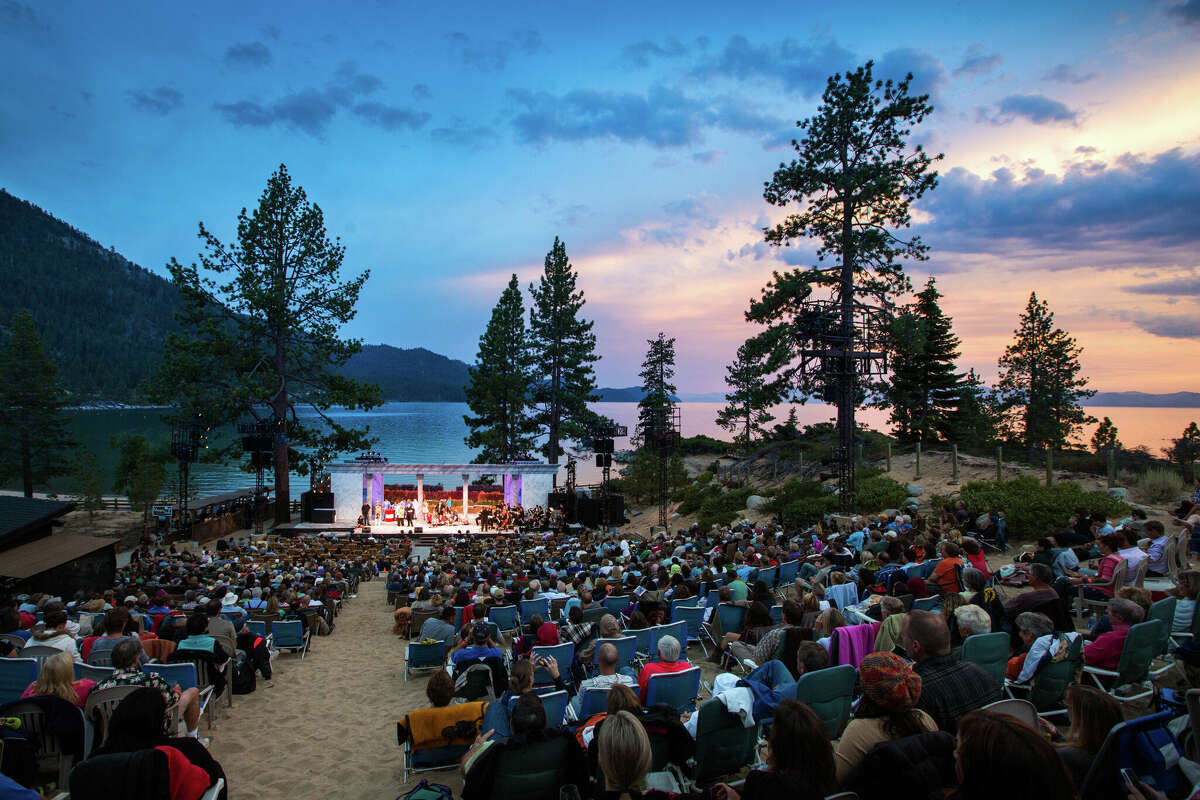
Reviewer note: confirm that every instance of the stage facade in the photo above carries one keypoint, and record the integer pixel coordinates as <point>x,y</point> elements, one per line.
<point>526,483</point>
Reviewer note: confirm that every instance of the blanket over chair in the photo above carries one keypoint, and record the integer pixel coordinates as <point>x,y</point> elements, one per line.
<point>442,727</point>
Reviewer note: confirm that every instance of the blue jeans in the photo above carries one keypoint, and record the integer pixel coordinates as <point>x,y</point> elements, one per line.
<point>807,570</point>
<point>774,675</point>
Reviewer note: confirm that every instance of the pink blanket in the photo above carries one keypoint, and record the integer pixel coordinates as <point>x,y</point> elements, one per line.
<point>853,643</point>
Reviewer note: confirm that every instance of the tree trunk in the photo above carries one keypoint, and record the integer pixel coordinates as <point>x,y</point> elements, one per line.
<point>283,500</point>
<point>26,467</point>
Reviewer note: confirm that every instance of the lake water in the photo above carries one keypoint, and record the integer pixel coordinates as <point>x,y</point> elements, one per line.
<point>421,433</point>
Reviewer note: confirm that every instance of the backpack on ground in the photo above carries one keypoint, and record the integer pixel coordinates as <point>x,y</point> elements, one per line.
<point>428,791</point>
<point>244,680</point>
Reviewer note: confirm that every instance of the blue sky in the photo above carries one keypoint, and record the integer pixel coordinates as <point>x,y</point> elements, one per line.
<point>449,148</point>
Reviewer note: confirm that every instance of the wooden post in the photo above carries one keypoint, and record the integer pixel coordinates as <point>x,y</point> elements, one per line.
<point>953,464</point>
<point>1049,466</point>
<point>889,455</point>
<point>999,463</point>
<point>917,476</point>
<point>1112,467</point>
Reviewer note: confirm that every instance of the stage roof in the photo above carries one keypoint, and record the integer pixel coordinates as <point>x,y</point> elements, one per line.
<point>388,468</point>
<point>49,552</point>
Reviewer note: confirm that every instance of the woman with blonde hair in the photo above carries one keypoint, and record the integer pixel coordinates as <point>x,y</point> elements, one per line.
<point>624,755</point>
<point>57,679</point>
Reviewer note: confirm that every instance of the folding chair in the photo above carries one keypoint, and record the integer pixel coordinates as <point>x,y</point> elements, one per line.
<point>679,690</point>
<point>436,738</point>
<point>1166,583</point>
<point>1145,746</point>
<point>15,675</point>
<point>16,642</point>
<point>723,744</point>
<point>35,724</point>
<point>539,606</point>
<point>418,620</point>
<point>1116,582</point>
<point>555,704</point>
<point>1164,611</point>
<point>534,772</point>
<point>1017,709</point>
<point>829,693</point>
<point>616,604</point>
<point>185,675</point>
<point>291,635</point>
<point>92,673</point>
<point>777,614</point>
<point>693,620</point>
<point>424,657</point>
<point>1050,682</point>
<point>564,654</point>
<point>626,650</point>
<point>100,705</point>
<point>988,650</point>
<point>39,653</point>
<point>788,571</point>
<point>593,700</point>
<point>1141,645</point>
<point>505,618</point>
<point>679,630</point>
<point>842,595</point>
<point>642,637</point>
<point>769,576</point>
<point>927,604</point>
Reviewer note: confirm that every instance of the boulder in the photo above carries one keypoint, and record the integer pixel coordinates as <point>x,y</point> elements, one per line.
<point>675,515</point>
<point>890,512</point>
<point>1119,492</point>
<point>754,502</point>
<point>914,490</point>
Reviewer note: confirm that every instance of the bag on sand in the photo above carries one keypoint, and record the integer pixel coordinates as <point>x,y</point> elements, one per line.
<point>244,680</point>
<point>428,791</point>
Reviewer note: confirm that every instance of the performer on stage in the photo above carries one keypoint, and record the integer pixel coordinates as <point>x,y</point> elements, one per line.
<point>409,512</point>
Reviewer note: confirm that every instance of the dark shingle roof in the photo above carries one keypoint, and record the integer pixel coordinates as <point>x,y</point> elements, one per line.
<point>19,514</point>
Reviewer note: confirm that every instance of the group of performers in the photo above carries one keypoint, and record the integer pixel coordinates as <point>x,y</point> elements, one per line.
<point>405,513</point>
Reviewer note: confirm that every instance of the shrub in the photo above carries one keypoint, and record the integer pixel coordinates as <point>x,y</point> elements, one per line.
<point>800,503</point>
<point>877,492</point>
<point>702,445</point>
<point>1033,510</point>
<point>1158,485</point>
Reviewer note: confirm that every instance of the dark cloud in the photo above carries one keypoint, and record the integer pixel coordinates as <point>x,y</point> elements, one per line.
<point>463,135</point>
<point>392,117</point>
<point>493,54</point>
<point>1188,12</point>
<point>250,55</point>
<point>1187,286</point>
<point>1086,150</point>
<point>929,76</point>
<point>421,92</point>
<point>800,68</point>
<point>348,81</point>
<point>1037,108</point>
<point>662,117</point>
<point>707,157</point>
<point>1132,201</point>
<point>245,114</point>
<point>272,32</point>
<point>976,61</point>
<point>161,100</point>
<point>1064,73</point>
<point>641,54</point>
<point>1169,326</point>
<point>309,110</point>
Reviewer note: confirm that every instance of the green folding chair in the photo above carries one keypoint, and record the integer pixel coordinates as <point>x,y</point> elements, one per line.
<point>1141,646</point>
<point>723,744</point>
<point>988,650</point>
<point>829,693</point>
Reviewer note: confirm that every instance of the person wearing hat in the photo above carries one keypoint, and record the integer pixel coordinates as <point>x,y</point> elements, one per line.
<point>476,644</point>
<point>886,711</point>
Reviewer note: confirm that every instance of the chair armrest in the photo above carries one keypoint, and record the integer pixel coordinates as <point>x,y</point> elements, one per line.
<point>1099,671</point>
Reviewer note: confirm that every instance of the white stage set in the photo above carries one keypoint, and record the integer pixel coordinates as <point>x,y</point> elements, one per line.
<point>361,481</point>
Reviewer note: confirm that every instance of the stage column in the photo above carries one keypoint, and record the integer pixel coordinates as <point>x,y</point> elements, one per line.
<point>420,491</point>
<point>466,483</point>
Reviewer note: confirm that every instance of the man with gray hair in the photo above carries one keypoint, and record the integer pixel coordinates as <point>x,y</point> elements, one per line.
<point>668,661</point>
<point>971,620</point>
<point>1105,652</point>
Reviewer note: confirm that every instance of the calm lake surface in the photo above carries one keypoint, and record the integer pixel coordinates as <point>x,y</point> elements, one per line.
<point>421,433</point>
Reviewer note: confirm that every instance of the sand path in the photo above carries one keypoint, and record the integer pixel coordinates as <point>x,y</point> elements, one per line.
<point>326,726</point>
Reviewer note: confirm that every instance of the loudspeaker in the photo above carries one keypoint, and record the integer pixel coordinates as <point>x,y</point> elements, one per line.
<point>604,445</point>
<point>603,460</point>
<point>418,529</point>
<point>366,529</point>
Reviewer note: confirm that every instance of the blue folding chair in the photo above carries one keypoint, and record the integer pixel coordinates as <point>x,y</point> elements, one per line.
<point>593,701</point>
<point>626,650</point>
<point>15,676</point>
<point>642,637</point>
<point>505,618</point>
<point>258,627</point>
<point>777,614</point>
<point>679,630</point>
<point>424,657</point>
<point>927,604</point>
<point>842,595</point>
<point>563,654</point>
<point>458,617</point>
<point>769,576</point>
<point>616,604</point>
<point>676,689</point>
<point>290,635</point>
<point>732,617</point>
<point>788,571</point>
<point>714,597</point>
<point>689,602</point>
<point>539,606</point>
<point>555,705</point>
<point>184,676</point>
<point>693,619</point>
<point>92,673</point>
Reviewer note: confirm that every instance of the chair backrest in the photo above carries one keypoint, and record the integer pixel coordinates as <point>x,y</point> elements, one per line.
<point>288,633</point>
<point>258,627</point>
<point>926,603</point>
<point>642,637</point>
<point>556,608</point>
<point>1103,780</point>
<point>988,650</point>
<point>723,744</point>
<point>1169,557</point>
<point>539,606</point>
<point>842,595</point>
<point>418,618</point>
<point>555,704</point>
<point>1163,610</point>
<point>458,616</point>
<point>100,658</point>
<point>15,675</point>
<point>182,673</point>
<point>594,613</point>
<point>1139,574</point>
<point>1017,709</point>
<point>907,599</point>
<point>1141,646</point>
<point>788,571</point>
<point>626,649</point>
<point>17,642</point>
<point>1052,678</point>
<point>93,673</point>
<point>505,617</point>
<point>692,617</point>
<point>563,654</point>
<point>769,575</point>
<point>534,772</point>
<point>100,705</point>
<point>731,617</point>
<point>39,653</point>
<point>829,692</point>
<point>676,689</point>
<point>35,726</point>
<point>426,656</point>
<point>712,598</point>
<point>679,630</point>
<point>1120,572</point>
<point>593,700</point>
<point>616,603</point>
<point>159,649</point>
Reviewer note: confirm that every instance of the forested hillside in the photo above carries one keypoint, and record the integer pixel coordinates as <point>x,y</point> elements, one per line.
<point>409,374</point>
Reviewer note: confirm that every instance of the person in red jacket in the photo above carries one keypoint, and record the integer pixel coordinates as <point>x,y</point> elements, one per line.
<point>668,661</point>
<point>1108,545</point>
<point>1105,652</point>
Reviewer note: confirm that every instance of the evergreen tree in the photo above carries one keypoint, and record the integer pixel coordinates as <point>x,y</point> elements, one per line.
<point>498,391</point>
<point>33,429</point>
<point>1039,381</point>
<point>1186,448</point>
<point>89,481</point>
<point>640,479</point>
<point>260,338</point>
<point>973,420</point>
<point>655,410</point>
<point>750,397</point>
<point>788,430</point>
<point>1105,437</point>
<point>564,349</point>
<point>140,472</point>
<point>924,387</point>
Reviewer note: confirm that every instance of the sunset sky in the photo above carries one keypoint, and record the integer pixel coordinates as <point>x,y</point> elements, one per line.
<point>449,147</point>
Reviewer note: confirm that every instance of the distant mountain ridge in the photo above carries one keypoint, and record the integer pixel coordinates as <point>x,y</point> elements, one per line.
<point>1144,400</point>
<point>411,375</point>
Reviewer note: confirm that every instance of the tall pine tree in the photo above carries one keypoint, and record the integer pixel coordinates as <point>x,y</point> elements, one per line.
<point>498,392</point>
<point>973,421</point>
<point>1039,381</point>
<point>564,349</point>
<point>924,389</point>
<point>33,429</point>
<point>750,397</point>
<point>657,405</point>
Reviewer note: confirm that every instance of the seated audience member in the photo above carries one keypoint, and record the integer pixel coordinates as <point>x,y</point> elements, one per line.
<point>949,687</point>
<point>528,727</point>
<point>1041,576</point>
<point>1133,555</point>
<point>56,678</point>
<point>1041,644</point>
<point>800,761</point>
<point>476,644</point>
<point>114,629</point>
<point>886,711</point>
<point>971,619</point>
<point>128,673</point>
<point>439,628</point>
<point>220,628</point>
<point>773,641</point>
<point>1187,586</point>
<point>1091,714</point>
<point>888,637</point>
<point>1098,586</point>
<point>668,661</point>
<point>201,641</point>
<point>608,660</point>
<point>52,632</point>
<point>999,758</point>
<point>136,724</point>
<point>973,554</point>
<point>1139,595</point>
<point>1156,553</point>
<point>1105,652</point>
<point>774,674</point>
<point>624,757</point>
<point>944,577</point>
<point>440,689</point>
<point>984,596</point>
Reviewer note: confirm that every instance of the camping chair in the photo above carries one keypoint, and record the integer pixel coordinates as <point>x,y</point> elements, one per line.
<point>626,650</point>
<point>458,618</point>
<point>593,700</point>
<point>1050,682</point>
<point>594,613</point>
<point>1164,611</point>
<point>93,673</point>
<point>100,705</point>
<point>39,653</point>
<point>616,604</point>
<point>291,635</point>
<point>424,656</point>
<point>534,772</point>
<point>418,620</point>
<point>155,649</point>
<point>530,607</point>
<point>679,690</point>
<point>557,606</point>
<point>693,619</point>
<point>504,617</point>
<point>103,658</point>
<point>183,674</point>
<point>642,637</point>
<point>769,576</point>
<point>828,692</point>
<point>927,603</point>
<point>788,571</point>
<point>555,705</point>
<point>1179,637</point>
<point>1166,583</point>
<point>15,641</point>
<point>1144,745</point>
<point>1139,574</point>
<point>1117,581</point>
<point>731,618</point>
<point>723,744</point>
<point>1141,645</point>
<point>776,614</point>
<point>988,650</point>
<point>564,654</point>
<point>36,724</point>
<point>842,595</point>
<point>436,738</point>
<point>679,630</point>
<point>1017,709</point>
<point>16,674</point>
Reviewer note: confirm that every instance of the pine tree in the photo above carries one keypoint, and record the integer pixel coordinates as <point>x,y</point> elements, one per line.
<point>924,387</point>
<point>750,397</point>
<point>89,481</point>
<point>1040,383</point>
<point>1186,448</point>
<point>564,349</point>
<point>655,410</point>
<point>140,472</point>
<point>1105,437</point>
<point>260,333</point>
<point>973,420</point>
<point>33,430</point>
<point>498,392</point>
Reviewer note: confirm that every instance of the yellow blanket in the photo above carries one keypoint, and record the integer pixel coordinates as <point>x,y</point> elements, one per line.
<point>443,727</point>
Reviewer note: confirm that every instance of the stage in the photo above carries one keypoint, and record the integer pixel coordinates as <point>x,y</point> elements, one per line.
<point>385,530</point>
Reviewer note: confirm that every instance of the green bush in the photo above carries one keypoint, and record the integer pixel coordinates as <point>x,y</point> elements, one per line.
<point>801,503</point>
<point>1034,510</point>
<point>874,493</point>
<point>1158,485</point>
<point>702,445</point>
